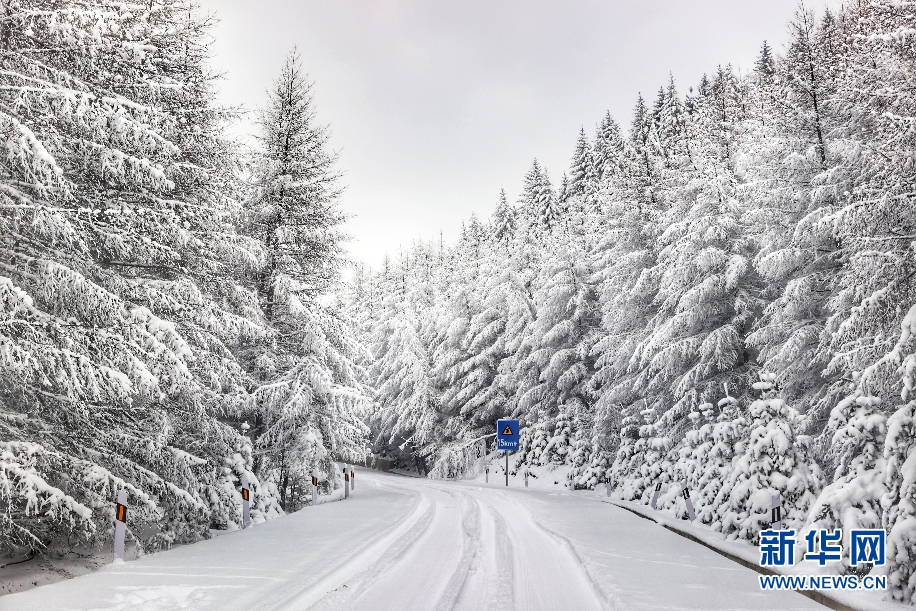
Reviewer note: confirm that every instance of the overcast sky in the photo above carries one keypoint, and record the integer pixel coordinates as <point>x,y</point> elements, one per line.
<point>434,105</point>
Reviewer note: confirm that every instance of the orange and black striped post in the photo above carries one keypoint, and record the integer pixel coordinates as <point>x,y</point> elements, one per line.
<point>246,502</point>
<point>120,524</point>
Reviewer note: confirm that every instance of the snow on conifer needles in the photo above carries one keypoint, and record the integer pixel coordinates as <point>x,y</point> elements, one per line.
<point>137,332</point>
<point>719,299</point>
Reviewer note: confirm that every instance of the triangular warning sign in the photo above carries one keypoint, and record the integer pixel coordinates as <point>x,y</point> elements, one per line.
<point>508,430</point>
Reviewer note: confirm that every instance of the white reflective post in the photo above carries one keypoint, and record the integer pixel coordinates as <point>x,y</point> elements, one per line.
<point>314,487</point>
<point>352,478</point>
<point>120,524</point>
<point>690,512</point>
<point>658,491</point>
<point>776,513</point>
<point>346,471</point>
<point>487,480</point>
<point>526,477</point>
<point>246,502</point>
<point>609,489</point>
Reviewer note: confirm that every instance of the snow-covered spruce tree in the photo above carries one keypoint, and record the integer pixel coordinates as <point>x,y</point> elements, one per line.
<point>540,437</point>
<point>558,448</point>
<point>899,502</point>
<point>468,371</point>
<point>794,182</point>
<point>707,291</point>
<point>502,225</point>
<point>607,153</point>
<point>308,404</point>
<point>553,363</point>
<point>641,460</point>
<point>853,500</point>
<point>725,442</point>
<point>773,460</point>
<point>687,460</point>
<point>408,400</point>
<point>874,221</point>
<point>626,280</point>
<point>693,457</point>
<point>120,302</point>
<point>582,170</point>
<point>539,204</point>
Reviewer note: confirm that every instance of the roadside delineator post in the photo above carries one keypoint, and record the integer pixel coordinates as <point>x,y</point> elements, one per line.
<point>352,478</point>
<point>776,513</point>
<point>690,512</point>
<point>314,487</point>
<point>120,524</point>
<point>246,502</point>
<point>526,477</point>
<point>346,482</point>
<point>608,488</point>
<point>487,480</point>
<point>658,491</point>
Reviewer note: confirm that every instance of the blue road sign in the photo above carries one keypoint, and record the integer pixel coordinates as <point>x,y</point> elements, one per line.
<point>507,435</point>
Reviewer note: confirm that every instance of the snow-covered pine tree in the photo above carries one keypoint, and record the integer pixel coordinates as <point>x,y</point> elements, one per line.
<point>310,394</point>
<point>607,151</point>
<point>793,194</point>
<point>899,502</point>
<point>558,448</point>
<point>553,363</point>
<point>874,220</point>
<point>772,460</point>
<point>581,168</point>
<point>853,499</point>
<point>725,441</point>
<point>502,225</point>
<point>119,273</point>
<point>707,295</point>
<point>687,460</point>
<point>626,279</point>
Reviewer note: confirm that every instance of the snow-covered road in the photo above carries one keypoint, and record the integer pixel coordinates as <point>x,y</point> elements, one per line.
<point>405,543</point>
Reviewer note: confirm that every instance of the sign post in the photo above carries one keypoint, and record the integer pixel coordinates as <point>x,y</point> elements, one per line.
<point>246,502</point>
<point>689,503</point>
<point>776,513</point>
<point>507,439</point>
<point>658,491</point>
<point>120,524</point>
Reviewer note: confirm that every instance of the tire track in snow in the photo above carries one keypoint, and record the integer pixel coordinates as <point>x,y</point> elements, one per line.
<point>420,573</point>
<point>342,596</point>
<point>547,573</point>
<point>502,583</point>
<point>298,595</point>
<point>470,554</point>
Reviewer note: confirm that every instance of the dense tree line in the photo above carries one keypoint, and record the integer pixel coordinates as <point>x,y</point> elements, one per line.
<point>722,297</point>
<point>163,326</point>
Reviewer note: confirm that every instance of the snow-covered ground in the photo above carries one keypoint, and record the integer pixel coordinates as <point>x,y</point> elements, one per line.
<point>410,543</point>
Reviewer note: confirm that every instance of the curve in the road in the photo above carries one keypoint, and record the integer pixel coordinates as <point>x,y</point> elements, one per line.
<point>475,549</point>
